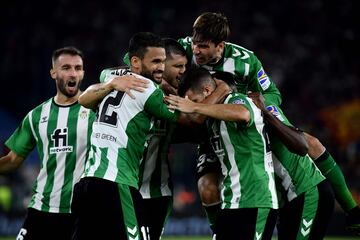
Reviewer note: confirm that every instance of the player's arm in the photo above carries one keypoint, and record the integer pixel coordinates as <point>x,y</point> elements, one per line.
<point>293,138</point>
<point>221,91</point>
<point>225,112</point>
<point>10,162</point>
<point>91,97</point>
<point>259,81</point>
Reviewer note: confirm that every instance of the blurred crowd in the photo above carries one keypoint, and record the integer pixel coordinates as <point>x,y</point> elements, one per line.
<point>309,48</point>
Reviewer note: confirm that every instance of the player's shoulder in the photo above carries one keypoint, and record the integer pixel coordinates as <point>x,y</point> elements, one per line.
<point>235,51</point>
<point>113,72</point>
<point>236,98</point>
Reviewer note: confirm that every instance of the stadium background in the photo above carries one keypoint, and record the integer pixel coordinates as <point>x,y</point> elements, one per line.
<point>309,48</point>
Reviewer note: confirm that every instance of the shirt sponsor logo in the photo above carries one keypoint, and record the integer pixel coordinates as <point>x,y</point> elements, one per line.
<point>275,112</point>
<point>60,141</point>
<point>263,79</point>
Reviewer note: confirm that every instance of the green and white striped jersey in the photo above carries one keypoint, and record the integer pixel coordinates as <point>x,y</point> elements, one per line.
<point>155,180</point>
<point>298,174</point>
<point>154,176</point>
<point>246,161</point>
<point>121,130</point>
<point>248,70</point>
<point>61,135</point>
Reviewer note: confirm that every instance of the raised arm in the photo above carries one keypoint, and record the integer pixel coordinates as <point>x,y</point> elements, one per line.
<point>91,97</point>
<point>293,138</point>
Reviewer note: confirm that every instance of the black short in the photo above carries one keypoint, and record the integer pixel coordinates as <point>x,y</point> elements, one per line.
<point>40,225</point>
<point>207,162</point>
<point>106,210</point>
<point>242,223</point>
<point>290,221</point>
<point>155,214</point>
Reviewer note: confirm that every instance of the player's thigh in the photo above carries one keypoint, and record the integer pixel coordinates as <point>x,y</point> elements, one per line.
<point>40,225</point>
<point>324,211</point>
<point>244,223</point>
<point>270,224</point>
<point>297,217</point>
<point>155,214</point>
<point>208,176</point>
<point>104,210</point>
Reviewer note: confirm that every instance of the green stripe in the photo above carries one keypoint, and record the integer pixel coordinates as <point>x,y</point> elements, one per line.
<point>90,123</point>
<point>261,220</point>
<point>70,161</point>
<point>36,113</point>
<point>311,201</point>
<point>128,209</point>
<point>51,163</point>
<point>104,162</point>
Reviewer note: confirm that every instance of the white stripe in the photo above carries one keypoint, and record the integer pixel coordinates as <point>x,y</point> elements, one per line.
<point>90,169</point>
<point>165,176</point>
<point>59,174</point>
<point>81,145</point>
<point>42,176</point>
<point>234,172</point>
<point>268,163</point>
<point>246,71</point>
<point>229,65</point>
<point>286,180</point>
<point>32,126</point>
<point>112,169</point>
<point>150,164</point>
<point>237,46</point>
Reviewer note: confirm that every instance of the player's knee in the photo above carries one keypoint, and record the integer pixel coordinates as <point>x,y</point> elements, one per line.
<point>315,146</point>
<point>209,189</point>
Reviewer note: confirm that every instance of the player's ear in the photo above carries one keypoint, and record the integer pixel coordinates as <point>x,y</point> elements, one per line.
<point>207,90</point>
<point>135,62</point>
<point>221,45</point>
<point>53,73</point>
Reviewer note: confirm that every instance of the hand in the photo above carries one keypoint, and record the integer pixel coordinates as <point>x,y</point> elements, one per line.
<point>126,83</point>
<point>258,99</point>
<point>181,104</point>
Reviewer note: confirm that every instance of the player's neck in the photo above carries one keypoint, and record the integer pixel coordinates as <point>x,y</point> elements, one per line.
<point>61,99</point>
<point>217,58</point>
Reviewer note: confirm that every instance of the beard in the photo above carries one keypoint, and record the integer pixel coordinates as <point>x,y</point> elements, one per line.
<point>145,72</point>
<point>62,86</point>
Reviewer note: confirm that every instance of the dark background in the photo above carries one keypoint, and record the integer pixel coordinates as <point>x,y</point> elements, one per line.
<point>309,48</point>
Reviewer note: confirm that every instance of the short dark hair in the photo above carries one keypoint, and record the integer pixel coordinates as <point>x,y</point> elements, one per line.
<point>193,79</point>
<point>227,77</point>
<point>70,50</point>
<point>173,47</point>
<point>212,27</point>
<point>139,43</point>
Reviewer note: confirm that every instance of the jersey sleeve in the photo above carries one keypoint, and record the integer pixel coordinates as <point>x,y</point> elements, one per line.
<point>186,43</point>
<point>278,113</point>
<point>22,141</point>
<point>110,73</point>
<point>155,106</point>
<point>259,81</point>
<point>242,100</point>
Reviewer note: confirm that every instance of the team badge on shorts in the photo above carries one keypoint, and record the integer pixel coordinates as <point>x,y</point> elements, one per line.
<point>263,79</point>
